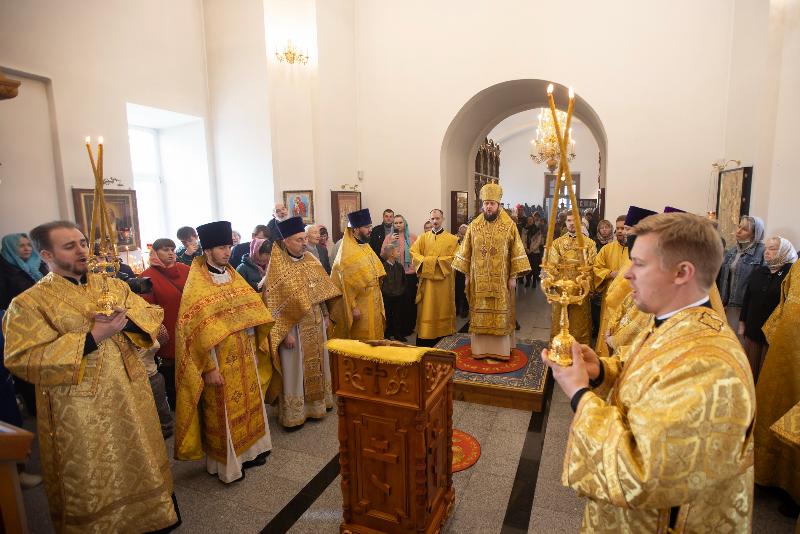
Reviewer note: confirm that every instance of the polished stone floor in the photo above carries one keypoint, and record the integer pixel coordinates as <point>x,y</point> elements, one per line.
<point>515,486</point>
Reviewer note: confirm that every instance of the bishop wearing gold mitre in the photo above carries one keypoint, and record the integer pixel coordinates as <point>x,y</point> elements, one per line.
<point>492,256</point>
<point>432,254</point>
<point>662,438</point>
<point>778,389</point>
<point>357,272</point>
<point>104,462</point>
<point>222,363</point>
<point>566,251</point>
<point>296,289</point>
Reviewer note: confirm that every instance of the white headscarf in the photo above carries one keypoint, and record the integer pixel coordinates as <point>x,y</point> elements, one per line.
<point>786,254</point>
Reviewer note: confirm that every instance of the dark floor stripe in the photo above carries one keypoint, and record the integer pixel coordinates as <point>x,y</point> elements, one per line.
<point>301,502</point>
<point>520,503</point>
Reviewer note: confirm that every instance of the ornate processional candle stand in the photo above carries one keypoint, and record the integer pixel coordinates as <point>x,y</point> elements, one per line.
<point>103,257</point>
<point>568,281</point>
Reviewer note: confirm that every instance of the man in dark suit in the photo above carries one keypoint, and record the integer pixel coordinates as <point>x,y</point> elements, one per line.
<point>379,233</point>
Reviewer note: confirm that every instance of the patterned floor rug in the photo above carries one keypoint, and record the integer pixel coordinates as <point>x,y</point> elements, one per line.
<point>466,450</point>
<point>489,366</point>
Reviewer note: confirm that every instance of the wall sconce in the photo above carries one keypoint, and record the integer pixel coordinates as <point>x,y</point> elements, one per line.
<point>291,55</point>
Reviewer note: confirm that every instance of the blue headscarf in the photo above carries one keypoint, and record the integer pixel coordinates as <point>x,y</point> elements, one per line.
<point>9,253</point>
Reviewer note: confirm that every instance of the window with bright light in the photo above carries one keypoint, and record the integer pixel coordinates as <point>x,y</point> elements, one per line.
<point>148,182</point>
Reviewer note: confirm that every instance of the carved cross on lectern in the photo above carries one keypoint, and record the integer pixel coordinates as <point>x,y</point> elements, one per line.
<point>378,373</point>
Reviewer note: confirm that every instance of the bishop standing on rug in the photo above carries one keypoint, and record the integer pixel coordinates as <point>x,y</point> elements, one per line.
<point>662,437</point>
<point>433,253</point>
<point>104,462</point>
<point>357,272</point>
<point>492,257</point>
<point>222,363</point>
<point>296,289</point>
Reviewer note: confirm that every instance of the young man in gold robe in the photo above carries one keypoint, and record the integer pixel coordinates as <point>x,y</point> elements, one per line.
<point>432,254</point>
<point>104,461</point>
<point>566,249</point>
<point>222,363</point>
<point>663,440</point>
<point>357,272</point>
<point>778,389</point>
<point>492,257</point>
<point>296,289</point>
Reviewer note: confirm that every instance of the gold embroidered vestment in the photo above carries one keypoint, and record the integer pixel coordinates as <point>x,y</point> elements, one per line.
<point>216,317</point>
<point>104,462</point>
<point>490,254</point>
<point>433,255</point>
<point>674,431</point>
<point>565,249</point>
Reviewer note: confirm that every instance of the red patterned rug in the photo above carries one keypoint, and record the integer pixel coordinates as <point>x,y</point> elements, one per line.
<point>466,450</point>
<point>488,366</point>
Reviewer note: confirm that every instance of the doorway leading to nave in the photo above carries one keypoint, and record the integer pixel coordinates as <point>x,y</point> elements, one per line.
<point>490,138</point>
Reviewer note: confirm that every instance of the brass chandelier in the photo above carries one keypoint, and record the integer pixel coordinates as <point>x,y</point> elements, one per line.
<point>545,148</point>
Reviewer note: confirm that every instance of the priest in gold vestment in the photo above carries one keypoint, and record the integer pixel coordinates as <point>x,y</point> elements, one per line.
<point>357,272</point>
<point>565,249</point>
<point>104,462</point>
<point>492,256</point>
<point>661,440</point>
<point>778,389</point>
<point>432,254</point>
<point>222,363</point>
<point>295,292</point>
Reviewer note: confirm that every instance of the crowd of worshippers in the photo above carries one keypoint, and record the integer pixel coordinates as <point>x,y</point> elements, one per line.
<point>227,327</point>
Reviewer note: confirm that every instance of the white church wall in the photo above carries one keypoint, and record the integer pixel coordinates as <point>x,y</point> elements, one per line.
<point>98,56</point>
<point>240,114</point>
<point>653,72</point>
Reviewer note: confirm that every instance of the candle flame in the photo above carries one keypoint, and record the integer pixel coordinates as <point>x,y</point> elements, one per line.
<point>88,140</point>
<point>550,89</point>
<point>100,140</point>
<point>571,93</point>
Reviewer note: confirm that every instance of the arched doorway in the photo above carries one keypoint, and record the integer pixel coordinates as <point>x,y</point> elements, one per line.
<point>478,116</point>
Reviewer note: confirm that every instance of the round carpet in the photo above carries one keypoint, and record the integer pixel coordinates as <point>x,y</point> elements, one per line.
<point>488,366</point>
<point>466,450</point>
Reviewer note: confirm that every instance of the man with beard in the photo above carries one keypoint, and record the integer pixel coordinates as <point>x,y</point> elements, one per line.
<point>662,437</point>
<point>279,213</point>
<point>566,252</point>
<point>296,289</point>
<point>222,364</point>
<point>357,272</point>
<point>104,461</point>
<point>606,267</point>
<point>492,256</point>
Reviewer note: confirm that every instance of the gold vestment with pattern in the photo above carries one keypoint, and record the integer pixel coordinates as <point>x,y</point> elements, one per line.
<point>357,273</point>
<point>294,293</point>
<point>104,462</point>
<point>490,254</point>
<point>563,249</point>
<point>670,427</point>
<point>217,316</point>
<point>778,390</point>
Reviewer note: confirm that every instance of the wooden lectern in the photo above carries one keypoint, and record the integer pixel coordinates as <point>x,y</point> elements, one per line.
<point>395,436</point>
<point>15,446</point>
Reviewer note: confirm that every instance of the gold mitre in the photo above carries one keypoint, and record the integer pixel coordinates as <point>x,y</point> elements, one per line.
<point>491,191</point>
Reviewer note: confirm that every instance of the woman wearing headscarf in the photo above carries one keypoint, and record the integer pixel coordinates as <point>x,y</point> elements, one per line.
<point>20,268</point>
<point>761,296</point>
<point>738,264</point>
<point>254,264</point>
<point>605,233</point>
<point>403,239</point>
